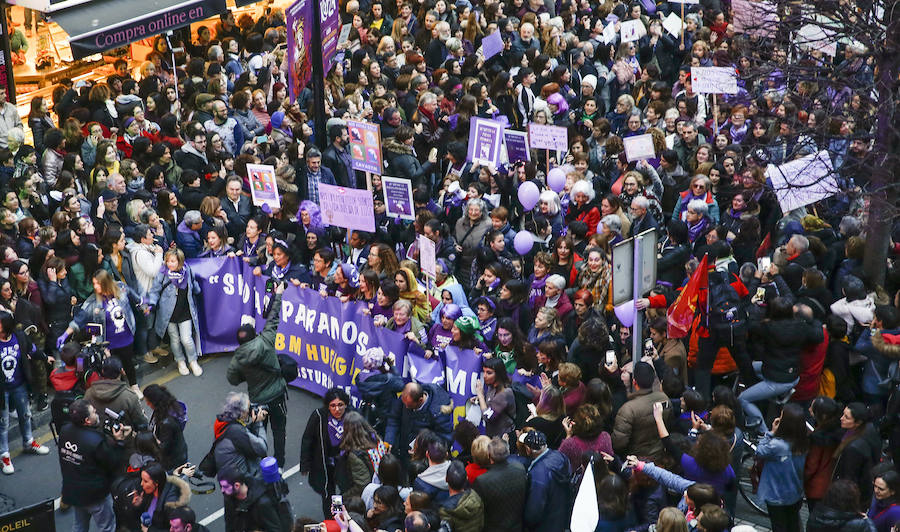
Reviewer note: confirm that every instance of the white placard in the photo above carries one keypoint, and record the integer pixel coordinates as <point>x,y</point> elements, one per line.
<point>803,181</point>
<point>639,147</point>
<point>609,33</point>
<point>685,1</point>
<point>815,37</point>
<point>673,24</point>
<point>632,30</point>
<point>714,80</point>
<point>623,271</point>
<point>427,256</point>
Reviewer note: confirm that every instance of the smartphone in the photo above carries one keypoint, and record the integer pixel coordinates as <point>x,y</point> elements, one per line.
<point>763,263</point>
<point>315,527</point>
<point>337,504</point>
<point>79,365</point>
<point>262,139</point>
<point>648,346</point>
<point>610,357</point>
<point>665,404</point>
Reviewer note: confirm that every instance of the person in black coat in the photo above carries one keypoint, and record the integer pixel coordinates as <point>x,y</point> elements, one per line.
<point>255,508</point>
<point>675,254</point>
<point>313,167</point>
<point>336,157</point>
<point>839,511</point>
<point>170,492</point>
<point>549,493</point>
<point>191,193</point>
<point>320,446</point>
<point>238,207</point>
<point>503,490</point>
<point>166,425</point>
<point>643,218</point>
<point>192,155</point>
<point>401,159</point>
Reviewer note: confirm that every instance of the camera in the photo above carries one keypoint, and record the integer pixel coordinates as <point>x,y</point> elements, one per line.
<point>272,284</point>
<point>114,421</point>
<point>256,409</point>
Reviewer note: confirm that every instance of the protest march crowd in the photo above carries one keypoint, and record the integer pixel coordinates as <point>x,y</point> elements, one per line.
<point>770,374</point>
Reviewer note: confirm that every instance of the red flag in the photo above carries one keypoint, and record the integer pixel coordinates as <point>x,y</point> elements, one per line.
<point>681,314</point>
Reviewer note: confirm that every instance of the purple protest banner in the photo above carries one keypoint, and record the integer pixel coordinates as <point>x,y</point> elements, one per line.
<point>330,31</point>
<point>543,137</point>
<point>347,207</point>
<point>327,339</point>
<point>299,29</point>
<point>421,369</point>
<point>492,45</point>
<point>484,141</point>
<point>365,146</point>
<point>463,370</point>
<point>516,146</point>
<point>227,300</point>
<point>398,197</point>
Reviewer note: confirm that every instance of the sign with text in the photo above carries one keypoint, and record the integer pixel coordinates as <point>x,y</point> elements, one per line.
<point>330,31</point>
<point>484,141</point>
<point>35,518</point>
<point>365,146</point>
<point>492,45</point>
<point>427,256</point>
<point>351,208</point>
<point>398,197</point>
<point>544,137</point>
<point>263,186</point>
<point>639,147</point>
<point>714,80</point>
<point>631,30</point>
<point>516,143</point>
<point>803,181</point>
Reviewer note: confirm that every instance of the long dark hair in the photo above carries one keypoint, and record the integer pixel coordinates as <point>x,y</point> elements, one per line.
<point>164,403</point>
<point>612,497</point>
<point>89,257</point>
<point>792,428</point>
<point>501,378</point>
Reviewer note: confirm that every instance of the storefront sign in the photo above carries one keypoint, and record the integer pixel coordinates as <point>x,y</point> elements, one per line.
<point>36,518</point>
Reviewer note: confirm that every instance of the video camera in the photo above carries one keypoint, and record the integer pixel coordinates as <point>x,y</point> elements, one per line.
<point>90,359</point>
<point>113,421</point>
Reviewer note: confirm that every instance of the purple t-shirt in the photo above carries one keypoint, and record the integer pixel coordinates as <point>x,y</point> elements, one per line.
<point>335,431</point>
<point>117,332</point>
<point>11,362</point>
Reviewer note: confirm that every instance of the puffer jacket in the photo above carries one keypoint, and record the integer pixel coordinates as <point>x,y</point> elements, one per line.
<point>634,431</point>
<point>257,362</point>
<point>780,343</point>
<point>825,519</point>
<point>549,494</point>
<point>240,446</point>
<point>882,348</point>
<point>464,511</point>
<point>403,163</point>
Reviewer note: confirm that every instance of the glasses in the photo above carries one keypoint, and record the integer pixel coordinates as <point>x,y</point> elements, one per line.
<point>698,187</point>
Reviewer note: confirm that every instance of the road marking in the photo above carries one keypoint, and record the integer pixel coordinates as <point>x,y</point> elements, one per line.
<point>221,511</point>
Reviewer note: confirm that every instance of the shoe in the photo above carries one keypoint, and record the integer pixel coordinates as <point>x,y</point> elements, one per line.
<point>8,468</point>
<point>137,391</point>
<point>35,448</point>
<point>162,351</point>
<point>182,367</point>
<point>196,369</point>
<point>150,358</point>
<point>42,403</point>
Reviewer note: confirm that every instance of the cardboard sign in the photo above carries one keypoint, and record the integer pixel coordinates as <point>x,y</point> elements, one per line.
<point>542,137</point>
<point>803,181</point>
<point>492,45</point>
<point>639,147</point>
<point>516,143</point>
<point>484,141</point>
<point>609,33</point>
<point>714,80</point>
<point>673,24</point>
<point>632,30</point>
<point>263,186</point>
<point>427,256</point>
<point>398,197</point>
<point>365,146</point>
<point>351,208</point>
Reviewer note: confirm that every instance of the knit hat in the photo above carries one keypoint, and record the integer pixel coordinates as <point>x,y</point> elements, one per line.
<point>591,80</point>
<point>277,119</point>
<point>452,311</point>
<point>128,121</point>
<point>813,223</point>
<point>533,439</point>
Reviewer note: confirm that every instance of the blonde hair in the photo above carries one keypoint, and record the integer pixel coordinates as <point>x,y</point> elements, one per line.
<point>480,451</point>
<point>177,253</point>
<point>108,286</point>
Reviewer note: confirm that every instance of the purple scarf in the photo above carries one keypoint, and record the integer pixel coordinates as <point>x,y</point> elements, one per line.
<point>177,278</point>
<point>537,289</point>
<point>697,229</point>
<point>279,272</point>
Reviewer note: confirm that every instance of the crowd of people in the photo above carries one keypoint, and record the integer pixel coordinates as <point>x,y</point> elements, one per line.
<point>792,355</point>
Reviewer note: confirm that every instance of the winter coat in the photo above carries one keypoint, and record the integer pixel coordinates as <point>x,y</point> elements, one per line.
<point>780,343</point>
<point>404,424</point>
<point>258,512</point>
<point>57,298</point>
<point>634,431</point>
<point>857,460</point>
<point>176,493</point>
<point>549,493</point>
<point>882,348</point>
<point>358,475</point>
<point>94,309</point>
<point>188,240</point>
<point>884,514</point>
<point>433,481</point>
<point>146,263</point>
<point>316,451</point>
<point>820,461</point>
<point>574,448</point>
<point>118,397</point>
<point>825,519</point>
<point>127,274</point>
<point>257,362</point>
<point>164,295</point>
<point>86,474</point>
<point>403,163</point>
<point>503,490</point>
<point>239,446</point>
<point>250,125</point>
<point>168,432</point>
<point>464,511</point>
<point>469,237</point>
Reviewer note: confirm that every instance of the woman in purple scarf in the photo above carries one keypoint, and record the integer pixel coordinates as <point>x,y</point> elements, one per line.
<point>697,219</point>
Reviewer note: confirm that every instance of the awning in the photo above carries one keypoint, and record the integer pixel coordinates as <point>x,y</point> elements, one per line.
<point>100,25</point>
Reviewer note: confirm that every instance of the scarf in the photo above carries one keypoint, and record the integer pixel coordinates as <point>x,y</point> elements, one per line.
<point>111,109</point>
<point>537,289</point>
<point>278,272</point>
<point>429,116</point>
<point>250,248</point>
<point>177,278</point>
<point>697,229</point>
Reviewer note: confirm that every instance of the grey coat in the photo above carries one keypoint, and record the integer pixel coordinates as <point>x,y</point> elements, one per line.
<point>163,296</point>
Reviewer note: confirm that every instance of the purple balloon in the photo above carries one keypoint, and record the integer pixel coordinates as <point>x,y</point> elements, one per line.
<point>556,180</point>
<point>528,195</point>
<point>523,242</point>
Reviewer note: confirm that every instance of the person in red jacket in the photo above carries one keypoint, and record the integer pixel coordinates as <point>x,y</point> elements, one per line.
<point>582,207</point>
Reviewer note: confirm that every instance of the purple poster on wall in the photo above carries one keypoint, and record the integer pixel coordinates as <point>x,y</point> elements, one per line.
<point>516,146</point>
<point>299,29</point>
<point>330,31</point>
<point>484,141</point>
<point>398,198</point>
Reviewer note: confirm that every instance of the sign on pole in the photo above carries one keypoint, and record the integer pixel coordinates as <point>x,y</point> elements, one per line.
<point>299,53</point>
<point>648,260</point>
<point>427,256</point>
<point>398,197</point>
<point>484,141</point>
<point>714,80</point>
<point>263,185</point>
<point>622,274</point>
<point>365,146</point>
<point>492,45</point>
<point>350,208</point>
<point>632,30</point>
<point>803,181</point>
<point>543,137</point>
<point>330,30</point>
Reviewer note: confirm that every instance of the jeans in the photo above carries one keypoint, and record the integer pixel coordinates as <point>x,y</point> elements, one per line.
<point>17,398</point>
<point>278,415</point>
<point>759,392</point>
<point>708,349</point>
<point>145,338</point>
<point>182,334</point>
<point>103,515</point>
<point>785,518</point>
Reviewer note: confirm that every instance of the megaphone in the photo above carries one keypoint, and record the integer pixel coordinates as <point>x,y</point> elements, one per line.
<point>625,313</point>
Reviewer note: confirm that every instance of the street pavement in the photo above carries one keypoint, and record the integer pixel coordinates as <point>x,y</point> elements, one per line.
<point>37,478</point>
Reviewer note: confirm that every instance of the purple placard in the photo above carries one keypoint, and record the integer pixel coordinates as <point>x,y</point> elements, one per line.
<point>421,369</point>
<point>463,369</point>
<point>398,197</point>
<point>516,146</point>
<point>347,207</point>
<point>365,146</point>
<point>543,137</point>
<point>484,141</point>
<point>330,31</point>
<point>298,16</point>
<point>492,45</point>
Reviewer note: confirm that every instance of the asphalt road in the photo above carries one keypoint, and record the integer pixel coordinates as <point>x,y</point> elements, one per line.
<point>37,478</point>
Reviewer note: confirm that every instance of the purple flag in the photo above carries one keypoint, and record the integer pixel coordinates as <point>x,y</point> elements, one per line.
<point>227,299</point>
<point>492,45</point>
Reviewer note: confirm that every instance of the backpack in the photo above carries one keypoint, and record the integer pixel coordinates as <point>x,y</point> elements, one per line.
<point>724,306</point>
<point>523,399</point>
